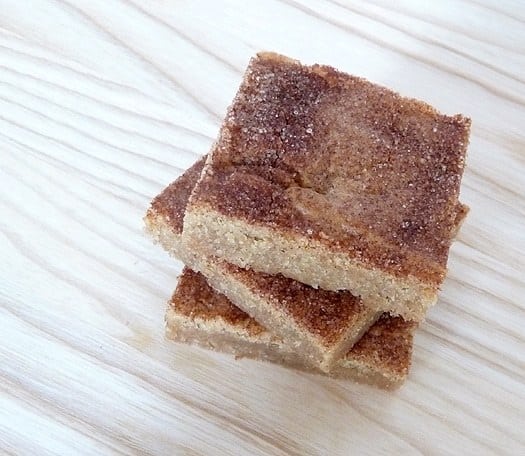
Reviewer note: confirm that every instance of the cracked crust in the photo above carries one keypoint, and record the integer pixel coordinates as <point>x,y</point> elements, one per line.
<point>313,166</point>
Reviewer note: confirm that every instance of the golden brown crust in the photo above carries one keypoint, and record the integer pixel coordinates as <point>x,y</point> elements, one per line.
<point>386,347</point>
<point>333,158</point>
<point>326,314</point>
<point>323,313</point>
<point>172,201</point>
<point>389,343</point>
<point>194,298</point>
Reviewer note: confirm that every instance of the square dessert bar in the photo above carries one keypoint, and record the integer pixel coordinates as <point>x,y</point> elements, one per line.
<point>322,325</point>
<point>332,181</point>
<point>198,314</point>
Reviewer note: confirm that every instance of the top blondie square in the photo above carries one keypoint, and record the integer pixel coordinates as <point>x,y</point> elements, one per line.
<point>333,181</point>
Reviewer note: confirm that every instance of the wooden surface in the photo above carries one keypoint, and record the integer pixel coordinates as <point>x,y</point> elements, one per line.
<point>104,102</point>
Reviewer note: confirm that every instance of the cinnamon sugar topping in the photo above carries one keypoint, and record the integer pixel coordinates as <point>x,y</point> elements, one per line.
<point>339,159</point>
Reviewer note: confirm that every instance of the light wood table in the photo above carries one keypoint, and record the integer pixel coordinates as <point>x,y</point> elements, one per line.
<point>104,102</point>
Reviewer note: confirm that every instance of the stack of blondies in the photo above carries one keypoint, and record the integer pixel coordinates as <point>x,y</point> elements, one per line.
<point>316,232</point>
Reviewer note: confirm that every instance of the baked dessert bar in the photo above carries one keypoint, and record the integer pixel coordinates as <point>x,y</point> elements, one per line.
<point>333,181</point>
<point>200,315</point>
<point>321,325</point>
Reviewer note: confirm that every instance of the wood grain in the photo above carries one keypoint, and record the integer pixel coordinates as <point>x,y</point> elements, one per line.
<point>104,102</point>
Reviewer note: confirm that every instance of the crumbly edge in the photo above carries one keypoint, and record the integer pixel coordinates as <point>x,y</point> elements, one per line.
<point>223,152</point>
<point>219,326</point>
<point>462,210</point>
<point>270,251</point>
<point>223,337</point>
<point>304,343</point>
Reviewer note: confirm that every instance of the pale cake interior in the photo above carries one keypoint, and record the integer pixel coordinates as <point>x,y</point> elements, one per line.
<point>313,166</point>
<point>317,179</point>
<point>273,301</point>
<point>198,314</point>
<point>322,325</point>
